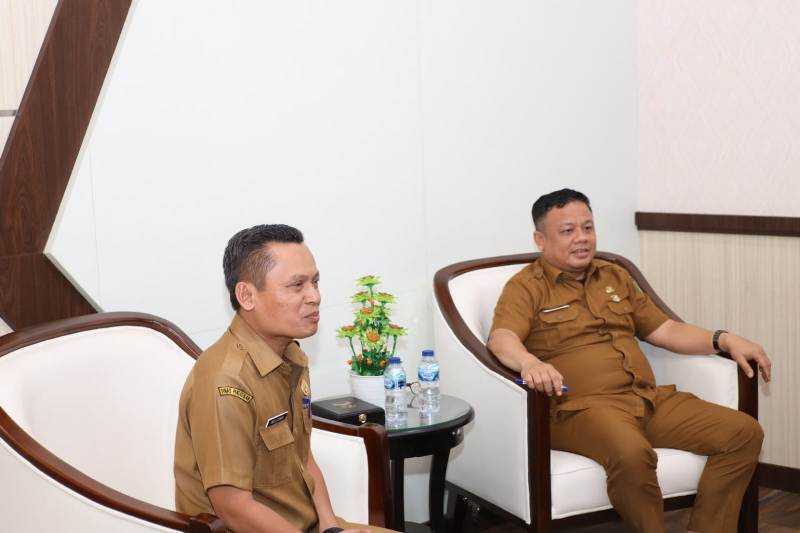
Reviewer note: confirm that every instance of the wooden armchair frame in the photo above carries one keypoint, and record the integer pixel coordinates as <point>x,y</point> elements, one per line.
<point>52,466</point>
<point>538,404</point>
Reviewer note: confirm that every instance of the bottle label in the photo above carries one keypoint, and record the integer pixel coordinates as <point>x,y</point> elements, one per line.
<point>392,382</point>
<point>429,372</point>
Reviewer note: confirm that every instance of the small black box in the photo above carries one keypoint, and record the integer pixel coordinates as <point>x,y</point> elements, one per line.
<point>348,409</point>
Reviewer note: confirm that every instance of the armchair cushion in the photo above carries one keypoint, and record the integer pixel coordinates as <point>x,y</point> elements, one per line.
<point>578,484</point>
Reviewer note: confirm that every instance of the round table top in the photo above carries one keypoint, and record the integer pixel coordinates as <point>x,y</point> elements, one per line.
<point>453,412</point>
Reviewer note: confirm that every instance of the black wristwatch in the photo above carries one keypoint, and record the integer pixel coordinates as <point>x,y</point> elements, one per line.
<point>715,339</point>
<point>333,530</point>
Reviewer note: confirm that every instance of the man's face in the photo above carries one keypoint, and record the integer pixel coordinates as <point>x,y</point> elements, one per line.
<point>567,239</point>
<point>288,303</point>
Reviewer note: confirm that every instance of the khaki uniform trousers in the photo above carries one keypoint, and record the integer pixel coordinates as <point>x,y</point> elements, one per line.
<point>623,444</point>
<point>349,525</point>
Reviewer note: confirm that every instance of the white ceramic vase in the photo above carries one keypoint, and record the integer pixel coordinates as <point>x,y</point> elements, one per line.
<point>368,388</point>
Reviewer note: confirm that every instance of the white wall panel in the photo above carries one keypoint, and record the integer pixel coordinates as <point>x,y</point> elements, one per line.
<point>521,98</point>
<point>399,136</point>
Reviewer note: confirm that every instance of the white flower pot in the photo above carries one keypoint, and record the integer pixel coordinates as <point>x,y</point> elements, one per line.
<point>368,388</point>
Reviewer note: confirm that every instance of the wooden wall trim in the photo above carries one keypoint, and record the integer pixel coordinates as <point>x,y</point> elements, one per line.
<point>731,224</point>
<point>40,153</point>
<point>779,477</point>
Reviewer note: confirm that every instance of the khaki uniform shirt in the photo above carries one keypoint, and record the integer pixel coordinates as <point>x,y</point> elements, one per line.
<point>242,423</point>
<point>586,330</point>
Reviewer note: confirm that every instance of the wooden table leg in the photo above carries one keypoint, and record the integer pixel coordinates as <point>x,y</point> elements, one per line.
<point>398,471</point>
<point>436,490</point>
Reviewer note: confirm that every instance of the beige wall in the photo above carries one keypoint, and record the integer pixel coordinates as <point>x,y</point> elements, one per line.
<point>718,124</point>
<point>719,117</point>
<point>748,284</point>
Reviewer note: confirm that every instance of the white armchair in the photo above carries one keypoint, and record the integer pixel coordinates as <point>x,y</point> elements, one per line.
<point>88,412</point>
<point>506,461</point>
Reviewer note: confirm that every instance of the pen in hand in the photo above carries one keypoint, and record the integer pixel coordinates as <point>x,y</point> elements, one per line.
<point>520,381</point>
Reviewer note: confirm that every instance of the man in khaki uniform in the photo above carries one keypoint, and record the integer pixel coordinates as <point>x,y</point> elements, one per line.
<point>570,319</point>
<point>242,447</point>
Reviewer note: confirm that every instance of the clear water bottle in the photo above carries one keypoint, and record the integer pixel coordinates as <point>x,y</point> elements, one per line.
<point>429,384</point>
<point>394,383</point>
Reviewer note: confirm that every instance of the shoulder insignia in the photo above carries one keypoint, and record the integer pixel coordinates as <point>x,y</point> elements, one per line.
<point>536,270</point>
<point>233,391</point>
<point>305,388</point>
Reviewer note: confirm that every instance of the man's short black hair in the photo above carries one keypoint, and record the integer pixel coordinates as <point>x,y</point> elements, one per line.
<point>555,199</point>
<point>247,256</point>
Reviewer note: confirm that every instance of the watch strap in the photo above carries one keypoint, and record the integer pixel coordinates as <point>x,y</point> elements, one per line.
<point>715,339</point>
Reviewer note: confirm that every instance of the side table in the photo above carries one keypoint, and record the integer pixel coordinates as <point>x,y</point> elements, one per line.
<point>420,436</point>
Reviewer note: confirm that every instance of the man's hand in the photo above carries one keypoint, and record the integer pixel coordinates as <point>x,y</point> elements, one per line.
<point>743,350</point>
<point>359,530</point>
<point>541,376</point>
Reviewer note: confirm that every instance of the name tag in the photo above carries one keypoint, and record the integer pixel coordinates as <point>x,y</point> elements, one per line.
<point>277,419</point>
<point>559,308</point>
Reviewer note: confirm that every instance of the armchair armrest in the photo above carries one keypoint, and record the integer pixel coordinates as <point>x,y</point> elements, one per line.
<point>36,457</point>
<point>377,451</point>
<point>714,378</point>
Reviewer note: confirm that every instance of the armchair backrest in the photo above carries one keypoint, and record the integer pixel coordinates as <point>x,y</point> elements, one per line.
<point>475,294</point>
<point>102,396</point>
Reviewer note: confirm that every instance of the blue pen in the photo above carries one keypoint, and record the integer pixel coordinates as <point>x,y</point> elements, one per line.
<point>520,381</point>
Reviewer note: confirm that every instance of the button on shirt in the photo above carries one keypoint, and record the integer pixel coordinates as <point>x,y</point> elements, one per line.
<point>587,330</point>
<point>241,423</point>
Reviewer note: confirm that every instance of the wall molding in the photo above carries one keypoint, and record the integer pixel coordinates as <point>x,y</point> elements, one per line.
<point>40,153</point>
<point>731,224</point>
<point>779,477</point>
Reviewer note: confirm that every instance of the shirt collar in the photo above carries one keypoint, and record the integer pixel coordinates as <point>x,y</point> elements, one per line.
<point>264,357</point>
<point>554,274</point>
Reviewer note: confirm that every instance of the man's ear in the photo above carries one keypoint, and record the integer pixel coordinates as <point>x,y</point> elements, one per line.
<point>539,239</point>
<point>244,294</point>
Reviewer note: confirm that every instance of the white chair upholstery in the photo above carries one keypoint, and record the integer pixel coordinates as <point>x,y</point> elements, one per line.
<point>343,461</point>
<point>105,402</point>
<point>493,463</point>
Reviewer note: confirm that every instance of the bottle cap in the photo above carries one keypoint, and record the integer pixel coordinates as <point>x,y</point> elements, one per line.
<point>394,360</point>
<point>427,353</point>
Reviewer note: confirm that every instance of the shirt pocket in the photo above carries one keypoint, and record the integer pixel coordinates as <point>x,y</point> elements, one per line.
<point>558,325</point>
<point>275,457</point>
<point>621,314</point>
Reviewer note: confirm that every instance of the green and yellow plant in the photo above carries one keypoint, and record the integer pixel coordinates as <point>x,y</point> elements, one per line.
<point>372,329</point>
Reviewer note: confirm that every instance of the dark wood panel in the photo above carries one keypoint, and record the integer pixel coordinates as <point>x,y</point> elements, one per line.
<point>52,119</point>
<point>33,291</point>
<point>779,477</point>
<point>40,153</point>
<point>732,224</point>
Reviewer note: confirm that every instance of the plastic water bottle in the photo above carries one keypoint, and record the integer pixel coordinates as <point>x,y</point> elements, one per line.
<point>394,383</point>
<point>429,383</point>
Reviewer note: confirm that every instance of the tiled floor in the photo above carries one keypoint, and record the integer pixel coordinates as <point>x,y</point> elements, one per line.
<point>779,512</point>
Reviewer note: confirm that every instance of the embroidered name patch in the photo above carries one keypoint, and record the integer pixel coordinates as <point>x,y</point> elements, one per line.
<point>277,418</point>
<point>233,391</point>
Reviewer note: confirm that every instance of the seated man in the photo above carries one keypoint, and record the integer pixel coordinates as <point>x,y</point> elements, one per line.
<point>242,448</point>
<point>570,319</point>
